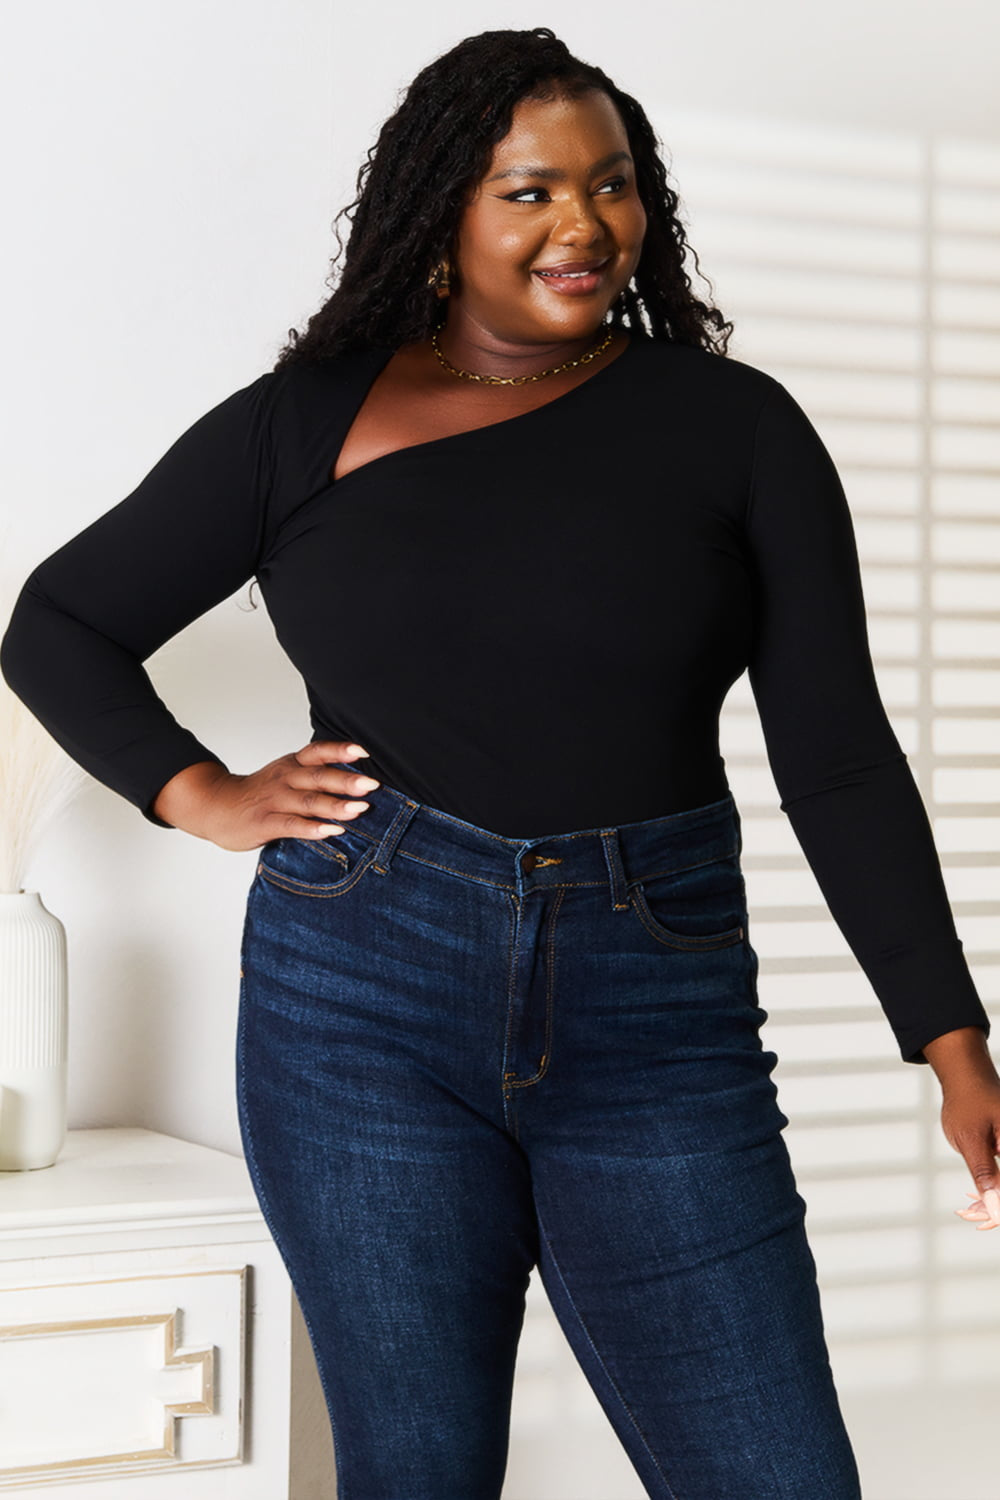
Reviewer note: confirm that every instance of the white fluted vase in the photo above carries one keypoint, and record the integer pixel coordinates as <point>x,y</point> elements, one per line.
<point>34,1017</point>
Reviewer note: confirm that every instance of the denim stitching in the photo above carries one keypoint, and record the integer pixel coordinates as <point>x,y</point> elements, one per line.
<point>511,966</point>
<point>322,848</point>
<point>713,859</point>
<point>670,1495</point>
<point>706,944</point>
<point>503,885</point>
<point>543,1067</point>
<point>308,888</point>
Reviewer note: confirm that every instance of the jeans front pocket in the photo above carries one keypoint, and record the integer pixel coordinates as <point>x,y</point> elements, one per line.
<point>696,909</point>
<point>318,867</point>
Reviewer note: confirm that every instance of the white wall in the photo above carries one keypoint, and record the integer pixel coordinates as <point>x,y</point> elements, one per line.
<point>167,205</point>
<point>173,182</point>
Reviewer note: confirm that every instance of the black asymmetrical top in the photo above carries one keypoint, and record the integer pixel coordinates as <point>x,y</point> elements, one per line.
<point>532,625</point>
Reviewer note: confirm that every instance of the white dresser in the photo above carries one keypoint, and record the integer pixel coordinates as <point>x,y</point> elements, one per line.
<point>150,1341</point>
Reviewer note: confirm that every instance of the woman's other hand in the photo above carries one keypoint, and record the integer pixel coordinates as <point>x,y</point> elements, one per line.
<point>970,1114</point>
<point>298,795</point>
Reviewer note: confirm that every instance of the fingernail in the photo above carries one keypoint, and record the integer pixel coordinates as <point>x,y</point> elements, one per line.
<point>355,806</point>
<point>356,750</point>
<point>991,1202</point>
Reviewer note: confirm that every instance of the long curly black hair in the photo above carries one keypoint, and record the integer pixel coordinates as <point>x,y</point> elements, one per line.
<point>413,186</point>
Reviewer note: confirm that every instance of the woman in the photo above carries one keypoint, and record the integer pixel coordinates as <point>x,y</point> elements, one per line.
<point>521,524</point>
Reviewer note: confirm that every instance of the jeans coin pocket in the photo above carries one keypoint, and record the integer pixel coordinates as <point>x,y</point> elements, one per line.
<point>695,909</point>
<point>317,867</point>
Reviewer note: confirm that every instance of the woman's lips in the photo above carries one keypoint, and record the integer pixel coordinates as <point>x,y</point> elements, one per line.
<point>578,284</point>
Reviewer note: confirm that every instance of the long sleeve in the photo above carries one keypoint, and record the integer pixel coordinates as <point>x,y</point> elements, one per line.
<point>92,612</point>
<point>845,783</point>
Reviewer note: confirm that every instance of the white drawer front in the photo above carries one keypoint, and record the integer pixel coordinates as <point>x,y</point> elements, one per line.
<point>125,1375</point>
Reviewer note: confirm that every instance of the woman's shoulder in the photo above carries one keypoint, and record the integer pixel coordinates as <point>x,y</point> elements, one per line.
<point>303,409</point>
<point>329,372</point>
<point>304,387</point>
<point>667,362</point>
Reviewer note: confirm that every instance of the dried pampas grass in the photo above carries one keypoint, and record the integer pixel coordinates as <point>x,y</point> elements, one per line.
<point>37,777</point>
<point>37,781</point>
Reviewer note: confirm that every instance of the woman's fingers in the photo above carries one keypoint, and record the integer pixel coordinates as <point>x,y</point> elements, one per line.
<point>299,795</point>
<point>970,1118</point>
<point>981,1214</point>
<point>318,751</point>
<point>307,828</point>
<point>325,785</point>
<point>991,1202</point>
<point>984,1210</point>
<point>329,805</point>
<point>973,1213</point>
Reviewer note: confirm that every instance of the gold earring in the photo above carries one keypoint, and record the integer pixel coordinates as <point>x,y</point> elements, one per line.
<point>440,278</point>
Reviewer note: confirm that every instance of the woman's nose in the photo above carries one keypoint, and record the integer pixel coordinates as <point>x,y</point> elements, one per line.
<point>578,222</point>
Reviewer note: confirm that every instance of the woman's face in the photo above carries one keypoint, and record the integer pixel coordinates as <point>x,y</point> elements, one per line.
<point>559,193</point>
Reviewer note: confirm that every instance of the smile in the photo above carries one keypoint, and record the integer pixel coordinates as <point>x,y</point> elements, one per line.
<point>578,282</point>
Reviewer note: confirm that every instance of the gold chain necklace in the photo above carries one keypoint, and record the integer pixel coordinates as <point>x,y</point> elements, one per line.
<point>569,364</point>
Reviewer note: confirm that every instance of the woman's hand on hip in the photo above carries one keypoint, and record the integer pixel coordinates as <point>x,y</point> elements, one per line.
<point>298,795</point>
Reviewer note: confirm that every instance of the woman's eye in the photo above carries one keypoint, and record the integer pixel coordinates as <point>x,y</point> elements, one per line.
<point>524,195</point>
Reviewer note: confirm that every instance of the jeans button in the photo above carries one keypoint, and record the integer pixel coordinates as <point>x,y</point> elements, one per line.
<point>528,861</point>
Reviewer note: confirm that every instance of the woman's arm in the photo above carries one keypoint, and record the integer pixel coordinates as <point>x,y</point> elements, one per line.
<point>88,616</point>
<point>847,787</point>
<point>843,778</point>
<point>962,1057</point>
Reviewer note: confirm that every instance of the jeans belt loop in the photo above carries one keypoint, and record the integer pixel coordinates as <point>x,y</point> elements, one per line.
<point>616,870</point>
<point>392,836</point>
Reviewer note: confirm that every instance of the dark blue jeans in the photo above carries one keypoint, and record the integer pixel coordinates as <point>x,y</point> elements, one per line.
<point>461,1056</point>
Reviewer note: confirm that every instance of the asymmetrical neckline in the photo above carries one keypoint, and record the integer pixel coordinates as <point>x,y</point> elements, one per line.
<point>502,424</point>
